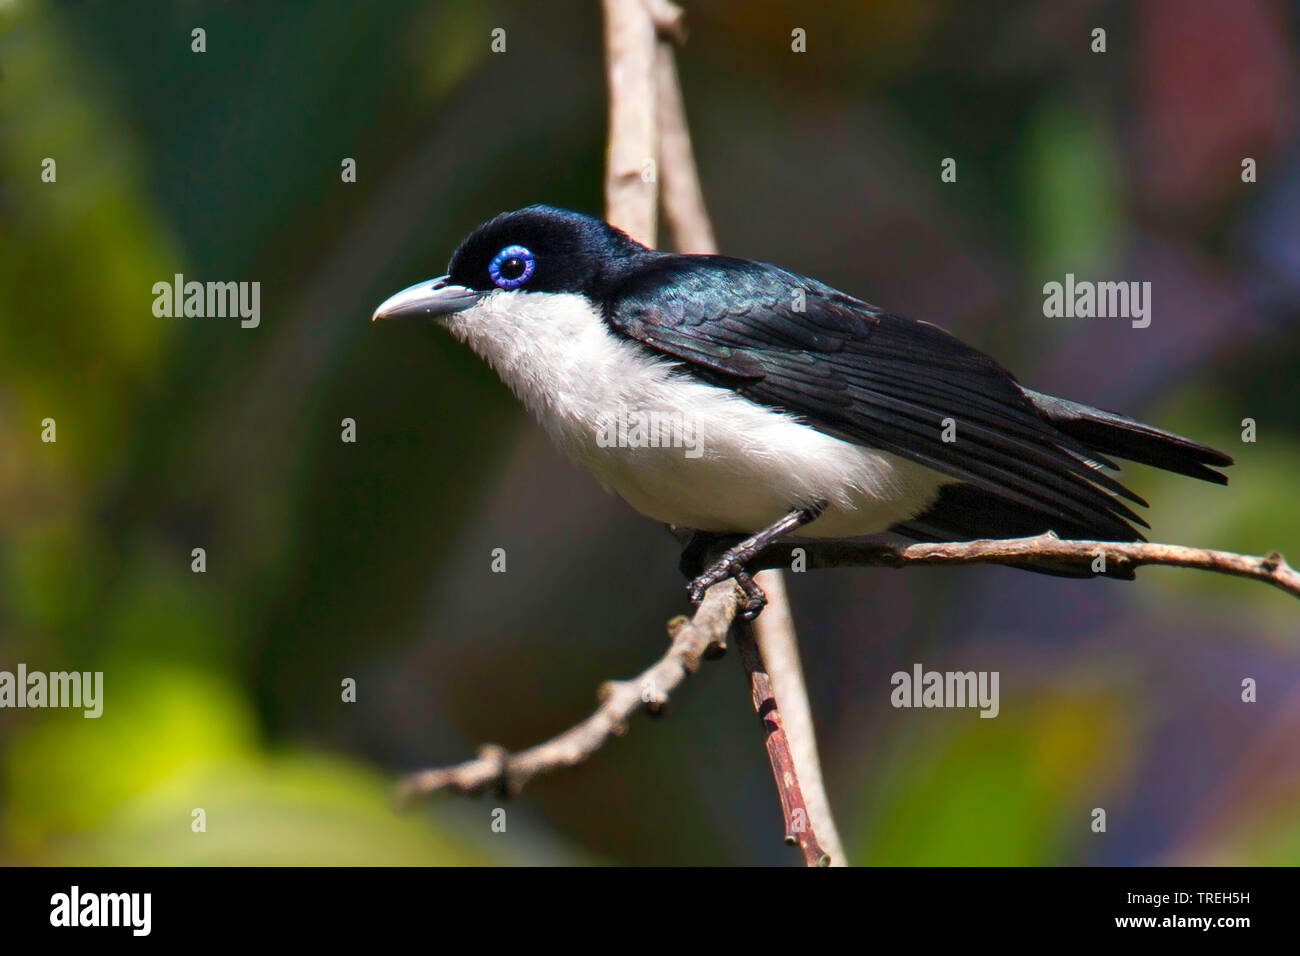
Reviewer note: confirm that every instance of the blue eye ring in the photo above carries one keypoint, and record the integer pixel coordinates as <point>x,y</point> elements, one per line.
<point>503,258</point>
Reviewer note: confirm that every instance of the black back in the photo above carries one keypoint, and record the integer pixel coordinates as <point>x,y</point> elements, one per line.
<point>870,377</point>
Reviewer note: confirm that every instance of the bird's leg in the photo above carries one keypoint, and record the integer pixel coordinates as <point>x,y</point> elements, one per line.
<point>732,562</point>
<point>700,546</point>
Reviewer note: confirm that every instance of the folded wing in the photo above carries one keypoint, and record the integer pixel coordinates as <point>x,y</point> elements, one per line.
<point>1027,462</point>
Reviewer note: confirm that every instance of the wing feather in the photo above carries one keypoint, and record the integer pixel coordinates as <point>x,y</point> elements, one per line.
<point>870,377</point>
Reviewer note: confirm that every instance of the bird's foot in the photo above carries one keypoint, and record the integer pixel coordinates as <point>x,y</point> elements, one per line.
<point>732,562</point>
<point>731,565</point>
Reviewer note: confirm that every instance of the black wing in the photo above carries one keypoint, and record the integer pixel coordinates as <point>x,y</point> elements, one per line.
<point>885,382</point>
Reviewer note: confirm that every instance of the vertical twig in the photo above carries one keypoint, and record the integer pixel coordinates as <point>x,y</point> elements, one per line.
<point>631,205</point>
<point>777,642</point>
<point>683,199</point>
<point>630,187</point>
<point>798,822</point>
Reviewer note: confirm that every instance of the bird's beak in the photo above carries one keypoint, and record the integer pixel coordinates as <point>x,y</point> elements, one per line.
<point>430,299</point>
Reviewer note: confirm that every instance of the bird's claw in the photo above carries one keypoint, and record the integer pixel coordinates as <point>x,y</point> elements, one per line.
<point>722,569</point>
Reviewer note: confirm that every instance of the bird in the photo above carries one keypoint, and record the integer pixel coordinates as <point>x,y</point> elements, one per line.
<point>799,411</point>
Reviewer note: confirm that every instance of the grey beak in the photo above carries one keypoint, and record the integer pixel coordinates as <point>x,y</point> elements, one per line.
<point>427,300</point>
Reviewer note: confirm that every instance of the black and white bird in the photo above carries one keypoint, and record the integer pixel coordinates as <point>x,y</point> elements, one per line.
<point>815,413</point>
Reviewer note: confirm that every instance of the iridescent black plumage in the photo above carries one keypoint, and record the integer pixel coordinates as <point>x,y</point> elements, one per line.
<point>1029,462</point>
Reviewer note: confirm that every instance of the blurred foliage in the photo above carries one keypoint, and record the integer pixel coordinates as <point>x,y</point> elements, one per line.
<point>998,792</point>
<point>327,560</point>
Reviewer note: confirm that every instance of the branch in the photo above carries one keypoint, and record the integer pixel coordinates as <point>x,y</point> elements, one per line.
<point>703,636</point>
<point>630,46</point>
<point>668,18</point>
<point>682,197</point>
<point>1272,568</point>
<point>774,661</point>
<point>779,646</point>
<point>798,821</point>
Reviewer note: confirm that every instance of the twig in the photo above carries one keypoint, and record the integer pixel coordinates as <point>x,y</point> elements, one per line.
<point>682,197</point>
<point>692,639</point>
<point>668,18</point>
<point>777,644</point>
<point>702,636</point>
<point>775,654</point>
<point>1271,568</point>
<point>798,821</point>
<point>630,180</point>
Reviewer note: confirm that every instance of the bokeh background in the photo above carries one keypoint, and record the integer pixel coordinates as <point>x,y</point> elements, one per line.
<point>328,560</point>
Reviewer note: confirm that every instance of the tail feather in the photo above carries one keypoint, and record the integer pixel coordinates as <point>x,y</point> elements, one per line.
<point>963,512</point>
<point>1113,434</point>
<point>966,513</point>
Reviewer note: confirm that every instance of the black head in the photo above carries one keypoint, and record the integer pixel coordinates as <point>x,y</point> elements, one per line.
<point>543,249</point>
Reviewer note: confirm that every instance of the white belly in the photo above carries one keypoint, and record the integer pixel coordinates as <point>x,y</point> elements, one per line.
<point>705,458</point>
<point>740,467</point>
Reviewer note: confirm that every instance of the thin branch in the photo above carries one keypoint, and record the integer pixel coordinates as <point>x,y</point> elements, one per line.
<point>682,197</point>
<point>702,636</point>
<point>632,206</point>
<point>1271,568</point>
<point>798,821</point>
<point>630,195</point>
<point>669,20</point>
<point>705,634</point>
<point>777,644</point>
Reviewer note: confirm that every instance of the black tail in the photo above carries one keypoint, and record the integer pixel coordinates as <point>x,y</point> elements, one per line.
<point>1113,434</point>
<point>964,513</point>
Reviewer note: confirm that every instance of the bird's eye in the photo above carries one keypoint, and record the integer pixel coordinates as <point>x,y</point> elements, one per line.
<point>511,267</point>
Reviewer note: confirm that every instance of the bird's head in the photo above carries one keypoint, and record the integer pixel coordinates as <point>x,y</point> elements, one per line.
<point>538,249</point>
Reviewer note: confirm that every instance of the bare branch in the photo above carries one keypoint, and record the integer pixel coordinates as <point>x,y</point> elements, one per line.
<point>704,635</point>
<point>798,821</point>
<point>631,206</point>
<point>682,197</point>
<point>777,644</point>
<point>669,20</point>
<point>692,639</point>
<point>1271,568</point>
<point>630,194</point>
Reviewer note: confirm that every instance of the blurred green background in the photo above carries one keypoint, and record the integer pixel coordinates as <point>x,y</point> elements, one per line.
<point>328,560</point>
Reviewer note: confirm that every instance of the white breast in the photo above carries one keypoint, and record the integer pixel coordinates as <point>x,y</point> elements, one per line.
<point>708,459</point>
